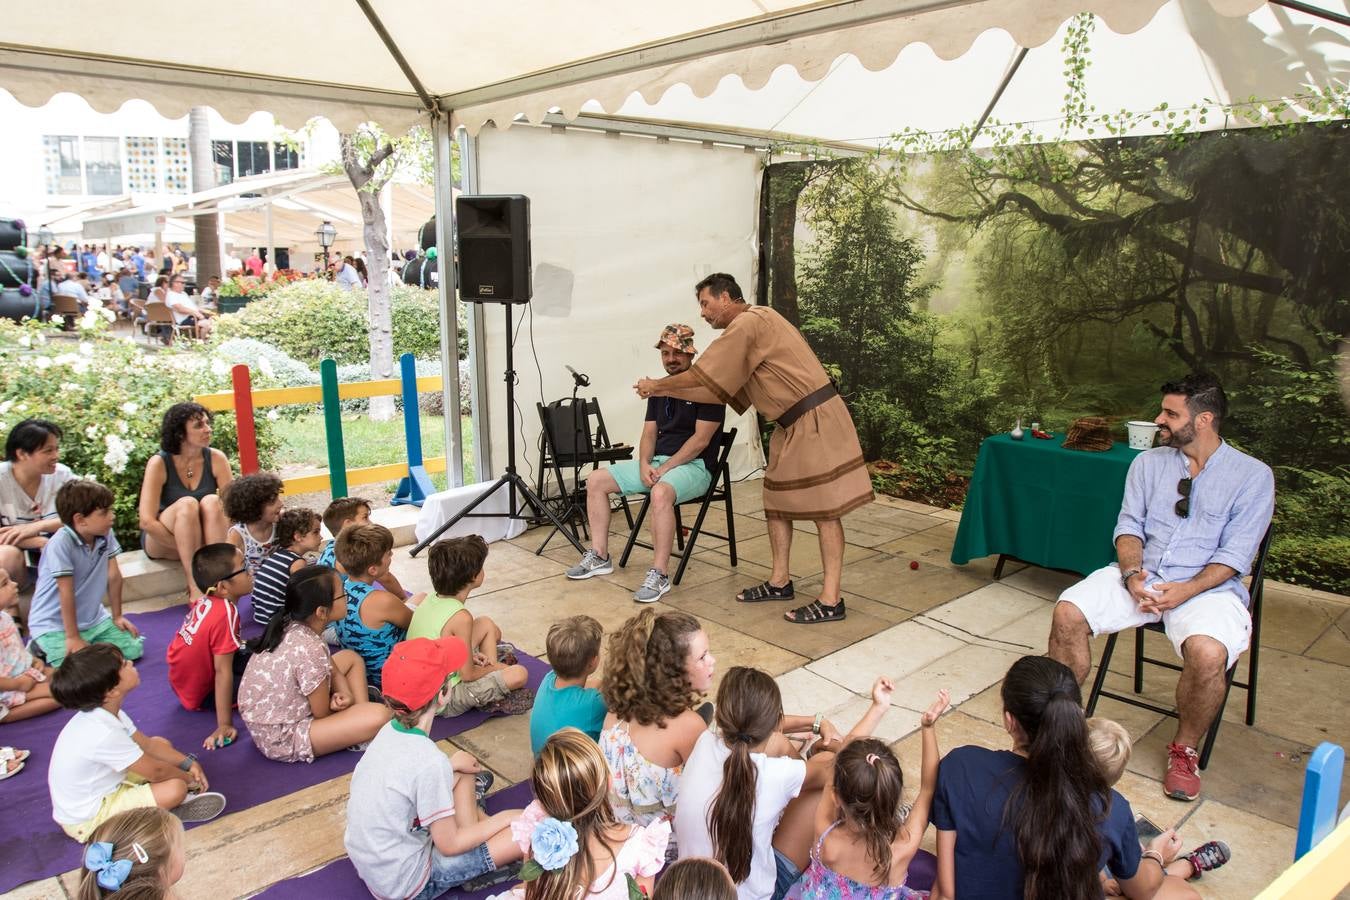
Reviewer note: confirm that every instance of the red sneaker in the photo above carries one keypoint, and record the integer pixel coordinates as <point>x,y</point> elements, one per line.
<point>1182,781</point>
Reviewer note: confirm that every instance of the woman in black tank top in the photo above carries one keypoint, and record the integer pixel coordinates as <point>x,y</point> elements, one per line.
<point>180,509</point>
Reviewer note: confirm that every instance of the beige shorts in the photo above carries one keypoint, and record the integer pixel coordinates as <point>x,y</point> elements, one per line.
<point>467,695</point>
<point>1108,608</point>
<point>133,793</point>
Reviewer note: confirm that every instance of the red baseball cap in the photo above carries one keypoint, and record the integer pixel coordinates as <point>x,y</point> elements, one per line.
<point>416,670</point>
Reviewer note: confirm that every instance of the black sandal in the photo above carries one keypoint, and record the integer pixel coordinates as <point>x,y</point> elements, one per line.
<point>761,592</point>
<point>816,612</point>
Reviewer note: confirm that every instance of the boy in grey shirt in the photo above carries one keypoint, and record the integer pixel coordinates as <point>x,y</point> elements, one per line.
<point>414,829</point>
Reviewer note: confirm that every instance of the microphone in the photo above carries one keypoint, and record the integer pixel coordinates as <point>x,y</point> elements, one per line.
<point>581,379</point>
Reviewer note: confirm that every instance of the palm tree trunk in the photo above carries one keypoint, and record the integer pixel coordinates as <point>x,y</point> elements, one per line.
<point>206,234</point>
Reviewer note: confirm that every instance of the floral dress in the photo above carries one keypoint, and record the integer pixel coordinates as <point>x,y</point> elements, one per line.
<point>641,791</point>
<point>642,855</point>
<point>820,882</point>
<point>15,661</point>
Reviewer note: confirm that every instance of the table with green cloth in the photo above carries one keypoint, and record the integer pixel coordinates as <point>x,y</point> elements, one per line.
<point>1035,501</point>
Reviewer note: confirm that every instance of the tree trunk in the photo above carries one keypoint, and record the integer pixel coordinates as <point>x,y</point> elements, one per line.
<point>381,319</point>
<point>206,233</point>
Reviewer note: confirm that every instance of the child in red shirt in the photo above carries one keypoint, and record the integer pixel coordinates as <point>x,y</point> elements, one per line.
<point>206,655</point>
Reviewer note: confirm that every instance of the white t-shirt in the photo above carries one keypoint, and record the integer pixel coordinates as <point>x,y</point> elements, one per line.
<point>17,508</point>
<point>778,781</point>
<point>90,759</point>
<point>182,306</point>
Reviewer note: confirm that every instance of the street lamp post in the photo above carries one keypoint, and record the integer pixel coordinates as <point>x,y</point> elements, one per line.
<point>326,234</point>
<point>45,238</point>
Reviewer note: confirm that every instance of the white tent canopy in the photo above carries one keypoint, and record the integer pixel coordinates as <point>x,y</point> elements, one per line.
<point>492,61</point>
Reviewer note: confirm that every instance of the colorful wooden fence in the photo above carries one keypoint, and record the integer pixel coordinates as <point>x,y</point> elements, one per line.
<point>413,474</point>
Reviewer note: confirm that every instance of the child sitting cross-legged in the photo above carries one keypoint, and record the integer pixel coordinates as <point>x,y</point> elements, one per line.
<point>375,619</point>
<point>297,534</point>
<point>253,504</point>
<point>563,699</point>
<point>1111,746</point>
<point>456,568</point>
<point>102,765</point>
<point>206,657</point>
<point>414,828</point>
<point>77,570</point>
<point>138,853</point>
<point>575,844</point>
<point>297,702</point>
<point>24,687</point>
<point>865,842</point>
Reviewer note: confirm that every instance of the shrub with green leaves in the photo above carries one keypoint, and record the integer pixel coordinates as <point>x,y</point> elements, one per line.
<point>109,395</point>
<point>314,320</point>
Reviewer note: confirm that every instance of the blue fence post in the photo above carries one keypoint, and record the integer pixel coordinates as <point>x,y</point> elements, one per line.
<point>1321,795</point>
<point>417,486</point>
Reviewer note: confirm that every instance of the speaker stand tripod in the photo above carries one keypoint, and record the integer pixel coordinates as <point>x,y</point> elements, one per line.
<point>533,508</point>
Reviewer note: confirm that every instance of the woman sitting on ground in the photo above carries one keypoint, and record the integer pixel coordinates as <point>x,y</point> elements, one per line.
<point>30,476</point>
<point>180,510</point>
<point>1038,821</point>
<point>658,667</point>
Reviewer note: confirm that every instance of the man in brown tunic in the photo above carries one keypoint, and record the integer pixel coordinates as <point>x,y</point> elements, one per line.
<point>816,468</point>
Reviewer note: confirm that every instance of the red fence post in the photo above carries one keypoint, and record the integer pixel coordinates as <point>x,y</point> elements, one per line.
<point>243,418</point>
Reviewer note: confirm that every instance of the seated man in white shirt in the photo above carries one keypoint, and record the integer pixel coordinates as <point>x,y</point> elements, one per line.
<point>185,312</point>
<point>76,286</point>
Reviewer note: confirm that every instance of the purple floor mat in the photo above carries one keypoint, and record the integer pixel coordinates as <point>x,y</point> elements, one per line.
<point>338,880</point>
<point>32,846</point>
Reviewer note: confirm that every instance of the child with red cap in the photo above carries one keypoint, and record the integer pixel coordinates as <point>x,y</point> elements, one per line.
<point>414,828</point>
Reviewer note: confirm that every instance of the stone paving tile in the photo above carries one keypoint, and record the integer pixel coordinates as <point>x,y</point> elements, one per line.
<point>1029,633</point>
<point>701,571</point>
<point>889,579</point>
<point>805,559</point>
<point>1262,849</point>
<point>896,653</point>
<point>502,744</point>
<point>526,611</point>
<point>1292,623</point>
<point>1334,644</point>
<point>984,611</point>
<point>897,724</point>
<point>1045,583</point>
<point>934,546</point>
<point>735,648</point>
<point>804,690</point>
<point>963,673</point>
<point>908,505</point>
<point>1297,698</point>
<point>46,889</point>
<point>716,602</point>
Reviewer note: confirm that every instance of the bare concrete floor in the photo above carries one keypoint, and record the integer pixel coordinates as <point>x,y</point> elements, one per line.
<point>937,626</point>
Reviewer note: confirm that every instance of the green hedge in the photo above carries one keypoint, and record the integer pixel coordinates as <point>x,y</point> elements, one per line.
<point>109,395</point>
<point>313,320</point>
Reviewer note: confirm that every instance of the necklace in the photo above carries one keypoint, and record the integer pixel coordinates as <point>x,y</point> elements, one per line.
<point>189,468</point>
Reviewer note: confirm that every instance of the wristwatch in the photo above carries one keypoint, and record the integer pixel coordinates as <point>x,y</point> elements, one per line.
<point>1127,575</point>
<point>188,762</point>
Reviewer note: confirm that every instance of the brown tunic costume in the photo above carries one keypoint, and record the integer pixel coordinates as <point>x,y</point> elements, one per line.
<point>816,468</point>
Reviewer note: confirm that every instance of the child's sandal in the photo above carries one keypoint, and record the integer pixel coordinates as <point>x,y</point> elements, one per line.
<point>9,755</point>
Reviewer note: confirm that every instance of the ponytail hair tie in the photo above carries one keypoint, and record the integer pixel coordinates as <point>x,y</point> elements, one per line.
<point>871,759</point>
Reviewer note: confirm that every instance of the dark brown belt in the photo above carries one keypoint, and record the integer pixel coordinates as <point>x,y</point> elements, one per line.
<point>806,404</point>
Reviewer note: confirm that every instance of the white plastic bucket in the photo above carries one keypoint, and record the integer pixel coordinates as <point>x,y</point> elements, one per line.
<point>1141,434</point>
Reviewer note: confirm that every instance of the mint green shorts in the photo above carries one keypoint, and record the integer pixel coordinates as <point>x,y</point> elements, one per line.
<point>690,480</point>
<point>53,643</point>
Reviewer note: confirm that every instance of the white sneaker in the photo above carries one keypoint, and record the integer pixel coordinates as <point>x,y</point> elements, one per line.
<point>591,564</point>
<point>654,587</point>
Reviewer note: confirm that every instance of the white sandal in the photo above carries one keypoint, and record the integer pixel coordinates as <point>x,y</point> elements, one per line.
<point>8,755</point>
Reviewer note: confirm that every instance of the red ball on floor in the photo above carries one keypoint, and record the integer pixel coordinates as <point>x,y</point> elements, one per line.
<point>914,564</point>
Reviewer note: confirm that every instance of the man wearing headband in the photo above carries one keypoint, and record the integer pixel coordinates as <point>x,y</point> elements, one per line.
<point>675,462</point>
<point>816,471</point>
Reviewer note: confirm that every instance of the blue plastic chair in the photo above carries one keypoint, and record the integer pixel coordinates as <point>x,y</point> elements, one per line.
<point>1321,796</point>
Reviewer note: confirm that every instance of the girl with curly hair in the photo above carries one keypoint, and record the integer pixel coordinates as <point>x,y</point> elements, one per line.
<point>576,845</point>
<point>657,668</point>
<point>180,511</point>
<point>253,504</point>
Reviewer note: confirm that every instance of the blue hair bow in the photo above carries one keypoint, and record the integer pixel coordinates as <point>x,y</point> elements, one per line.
<point>111,872</point>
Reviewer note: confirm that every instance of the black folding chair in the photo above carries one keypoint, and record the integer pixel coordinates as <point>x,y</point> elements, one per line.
<point>719,491</point>
<point>572,436</point>
<point>1257,590</point>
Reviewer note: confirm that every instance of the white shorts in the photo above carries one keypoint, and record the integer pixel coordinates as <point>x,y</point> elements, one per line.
<point>1108,608</point>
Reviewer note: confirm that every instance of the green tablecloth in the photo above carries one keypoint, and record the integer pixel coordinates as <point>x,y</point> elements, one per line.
<point>1034,500</point>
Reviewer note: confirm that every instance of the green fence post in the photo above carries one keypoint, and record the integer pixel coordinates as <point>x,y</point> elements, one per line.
<point>332,419</point>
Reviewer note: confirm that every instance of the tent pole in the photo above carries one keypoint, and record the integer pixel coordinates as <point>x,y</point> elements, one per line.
<point>481,413</point>
<point>445,255</point>
<point>998,94</point>
<point>271,250</point>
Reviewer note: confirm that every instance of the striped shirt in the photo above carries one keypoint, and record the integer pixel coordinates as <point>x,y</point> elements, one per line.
<point>1231,502</point>
<point>269,584</point>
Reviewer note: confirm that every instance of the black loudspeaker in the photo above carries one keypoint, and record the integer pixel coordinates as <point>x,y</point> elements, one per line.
<point>494,248</point>
<point>12,234</point>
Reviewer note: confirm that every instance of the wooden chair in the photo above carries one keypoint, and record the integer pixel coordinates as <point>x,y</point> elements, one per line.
<point>719,491</point>
<point>159,316</point>
<point>68,307</point>
<point>1257,591</point>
